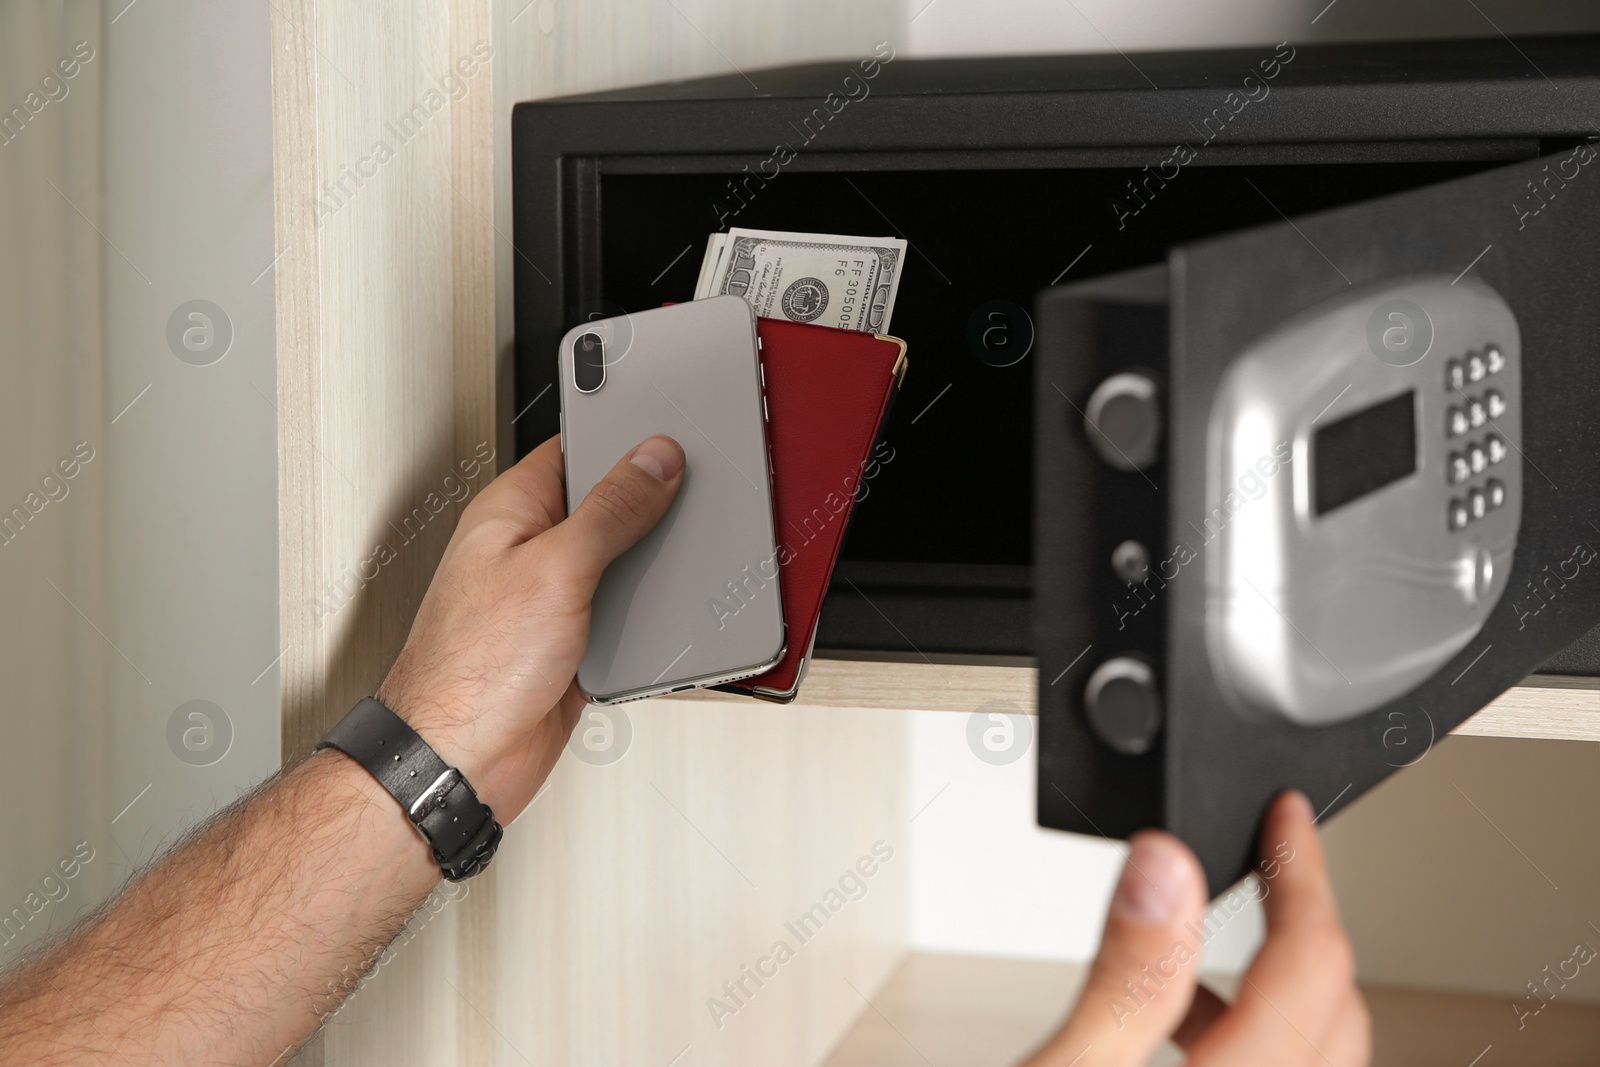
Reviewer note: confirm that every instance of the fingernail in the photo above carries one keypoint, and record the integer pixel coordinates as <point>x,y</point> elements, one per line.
<point>1299,800</point>
<point>661,456</point>
<point>1153,882</point>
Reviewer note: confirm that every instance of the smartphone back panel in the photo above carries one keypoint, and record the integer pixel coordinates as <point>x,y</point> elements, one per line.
<point>697,601</point>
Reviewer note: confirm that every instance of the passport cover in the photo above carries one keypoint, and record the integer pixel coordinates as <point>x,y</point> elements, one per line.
<point>828,392</point>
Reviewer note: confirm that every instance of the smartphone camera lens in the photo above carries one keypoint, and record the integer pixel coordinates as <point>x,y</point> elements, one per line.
<point>589,362</point>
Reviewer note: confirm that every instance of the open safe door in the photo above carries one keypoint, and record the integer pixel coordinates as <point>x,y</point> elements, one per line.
<point>1309,496</point>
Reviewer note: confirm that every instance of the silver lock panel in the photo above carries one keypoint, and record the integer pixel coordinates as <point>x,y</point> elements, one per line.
<point>1365,484</point>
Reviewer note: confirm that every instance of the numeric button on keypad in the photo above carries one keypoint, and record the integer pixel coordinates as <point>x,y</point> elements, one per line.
<point>1459,471</point>
<point>1477,504</point>
<point>1458,515</point>
<point>1477,459</point>
<point>1455,375</point>
<point>1476,414</point>
<point>1495,403</point>
<point>1494,360</point>
<point>1496,448</point>
<point>1476,368</point>
<point>1455,422</point>
<point>1496,491</point>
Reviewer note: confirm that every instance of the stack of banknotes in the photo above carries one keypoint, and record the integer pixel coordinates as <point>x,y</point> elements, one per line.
<point>822,278</point>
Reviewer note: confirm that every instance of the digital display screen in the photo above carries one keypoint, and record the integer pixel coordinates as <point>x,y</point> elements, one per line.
<point>1364,452</point>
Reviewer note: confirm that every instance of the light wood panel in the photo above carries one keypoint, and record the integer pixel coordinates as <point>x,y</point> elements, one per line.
<point>385,383</point>
<point>636,889</point>
<point>976,1011</point>
<point>391,271</point>
<point>1542,707</point>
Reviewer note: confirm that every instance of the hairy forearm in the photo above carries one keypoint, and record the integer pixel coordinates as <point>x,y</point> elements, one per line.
<point>237,944</point>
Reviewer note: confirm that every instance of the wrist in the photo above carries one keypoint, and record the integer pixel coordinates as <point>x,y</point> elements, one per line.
<point>432,788</point>
<point>452,732</point>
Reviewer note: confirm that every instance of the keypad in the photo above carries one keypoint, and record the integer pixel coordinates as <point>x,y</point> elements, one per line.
<point>1468,411</point>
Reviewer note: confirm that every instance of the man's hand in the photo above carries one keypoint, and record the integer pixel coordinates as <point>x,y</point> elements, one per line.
<point>500,633</point>
<point>1297,1005</point>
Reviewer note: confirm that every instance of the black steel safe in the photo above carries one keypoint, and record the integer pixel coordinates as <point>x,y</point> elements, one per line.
<point>1227,192</point>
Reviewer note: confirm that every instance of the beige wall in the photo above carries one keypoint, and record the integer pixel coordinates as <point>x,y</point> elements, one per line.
<point>145,184</point>
<point>53,713</point>
<point>1476,867</point>
<point>192,502</point>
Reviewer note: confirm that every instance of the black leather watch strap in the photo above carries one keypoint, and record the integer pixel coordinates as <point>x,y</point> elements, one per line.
<point>437,798</point>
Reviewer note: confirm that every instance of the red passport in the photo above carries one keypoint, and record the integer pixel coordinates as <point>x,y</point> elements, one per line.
<point>828,392</point>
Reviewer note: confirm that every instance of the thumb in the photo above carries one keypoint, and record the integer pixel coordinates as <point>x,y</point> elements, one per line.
<point>1144,975</point>
<point>621,508</point>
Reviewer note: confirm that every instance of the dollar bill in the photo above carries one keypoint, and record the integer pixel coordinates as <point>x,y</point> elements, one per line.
<point>715,245</point>
<point>824,278</point>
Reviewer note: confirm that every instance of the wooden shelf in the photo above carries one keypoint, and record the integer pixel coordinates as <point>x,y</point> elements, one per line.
<point>1542,707</point>
<point>851,683</point>
<point>977,1011</point>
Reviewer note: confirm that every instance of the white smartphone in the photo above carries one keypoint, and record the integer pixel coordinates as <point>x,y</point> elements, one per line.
<point>697,602</point>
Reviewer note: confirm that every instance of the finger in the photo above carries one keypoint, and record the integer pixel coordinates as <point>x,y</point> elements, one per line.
<point>622,507</point>
<point>1348,1040</point>
<point>523,502</point>
<point>1301,895</point>
<point>1300,978</point>
<point>1144,974</point>
<point>1306,963</point>
<point>1204,1010</point>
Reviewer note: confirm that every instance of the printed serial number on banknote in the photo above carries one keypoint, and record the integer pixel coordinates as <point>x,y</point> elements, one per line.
<point>823,278</point>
